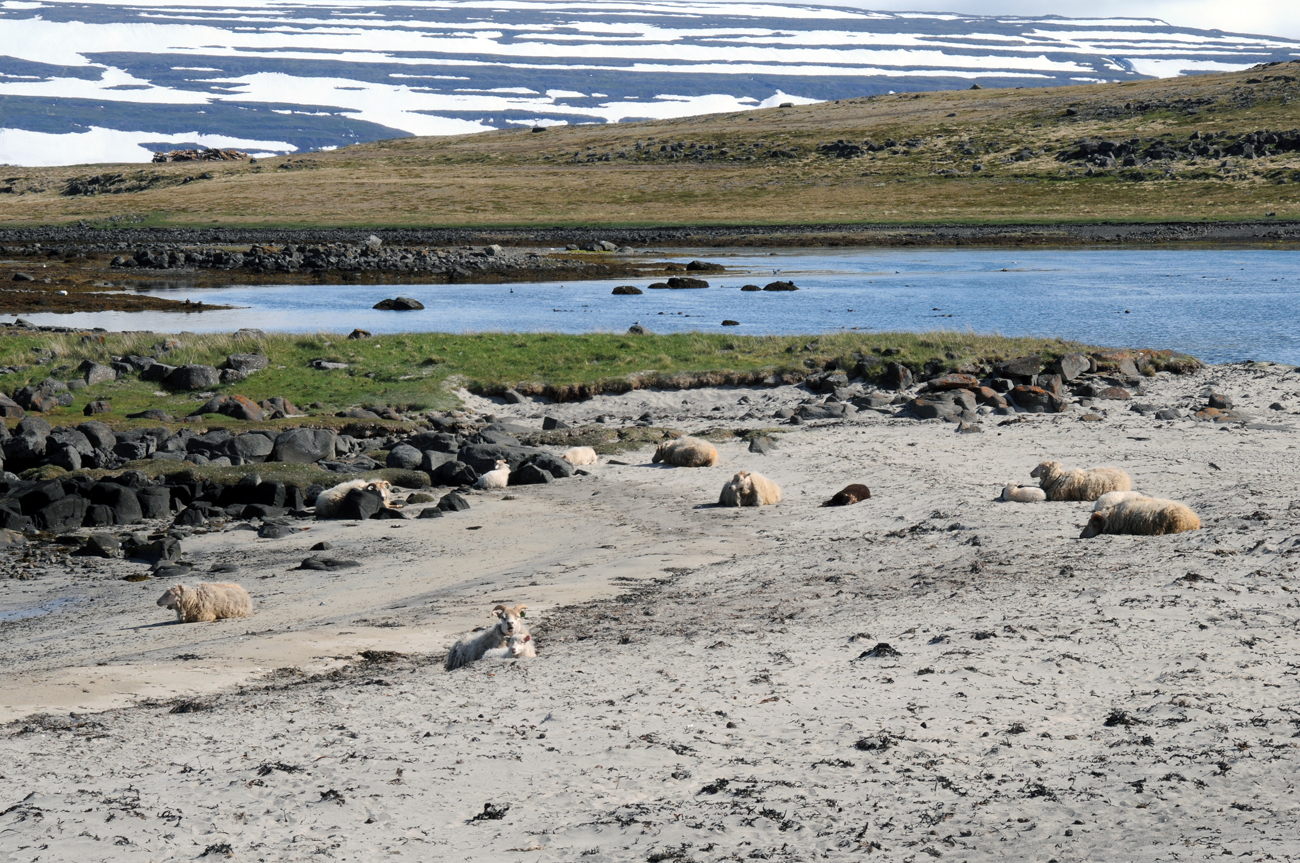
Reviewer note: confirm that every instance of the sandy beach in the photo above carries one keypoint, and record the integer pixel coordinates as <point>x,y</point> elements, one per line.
<point>928,674</point>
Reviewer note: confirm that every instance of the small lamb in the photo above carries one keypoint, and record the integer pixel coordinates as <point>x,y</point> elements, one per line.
<point>580,455</point>
<point>518,646</point>
<point>467,650</point>
<point>1023,493</point>
<point>498,478</point>
<point>207,601</point>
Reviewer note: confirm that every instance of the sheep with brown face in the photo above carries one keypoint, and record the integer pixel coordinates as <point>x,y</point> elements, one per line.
<point>1146,516</point>
<point>1060,483</point>
<point>686,451</point>
<point>508,622</point>
<point>207,601</point>
<point>749,489</point>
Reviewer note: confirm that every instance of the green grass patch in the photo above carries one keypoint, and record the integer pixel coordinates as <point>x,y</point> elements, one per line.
<point>419,371</point>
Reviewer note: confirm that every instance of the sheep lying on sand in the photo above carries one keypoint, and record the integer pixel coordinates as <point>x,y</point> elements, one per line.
<point>519,646</point>
<point>1023,493</point>
<point>1144,516</point>
<point>498,478</point>
<point>328,501</point>
<point>467,650</point>
<point>850,494</point>
<point>750,489</point>
<point>687,452</point>
<point>1111,498</point>
<point>580,455</point>
<point>207,601</point>
<point>1078,484</point>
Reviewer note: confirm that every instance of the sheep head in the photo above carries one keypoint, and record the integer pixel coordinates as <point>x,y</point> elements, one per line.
<point>518,643</point>
<point>1043,468</point>
<point>1096,524</point>
<point>502,463</point>
<point>660,450</point>
<point>508,619</point>
<point>172,598</point>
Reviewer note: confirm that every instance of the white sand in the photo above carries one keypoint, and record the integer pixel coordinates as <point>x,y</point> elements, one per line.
<point>682,644</point>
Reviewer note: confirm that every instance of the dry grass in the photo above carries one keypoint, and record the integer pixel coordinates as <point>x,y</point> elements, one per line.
<point>513,177</point>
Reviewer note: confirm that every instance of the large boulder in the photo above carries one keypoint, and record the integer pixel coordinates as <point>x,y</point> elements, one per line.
<point>897,376</point>
<point>1036,400</point>
<point>552,464</point>
<point>493,436</point>
<point>1020,367</point>
<point>530,474</point>
<point>158,372</point>
<point>66,513</point>
<point>27,440</point>
<point>455,473</point>
<point>194,377</point>
<point>1071,366</point>
<point>246,363</point>
<point>950,405</point>
<point>431,460</point>
<point>70,438</point>
<point>233,406</point>
<point>483,457</point>
<point>435,440</point>
<point>954,381</point>
<point>40,496</point>
<point>304,446</point>
<point>121,500</point>
<point>252,448</point>
<point>399,304</point>
<point>360,504</point>
<point>834,410</point>
<point>405,457</point>
<point>10,408</point>
<point>96,373</point>
<point>155,501</point>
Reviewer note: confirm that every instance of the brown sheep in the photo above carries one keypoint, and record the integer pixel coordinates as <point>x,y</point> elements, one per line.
<point>850,494</point>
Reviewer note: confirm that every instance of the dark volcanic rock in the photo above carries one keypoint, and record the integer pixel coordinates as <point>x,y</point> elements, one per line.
<point>194,377</point>
<point>1071,366</point>
<point>452,502</point>
<point>326,564</point>
<point>780,286</point>
<point>626,291</point>
<point>359,505</point>
<point>530,474</point>
<point>405,457</point>
<point>97,407</point>
<point>1020,367</point>
<point>304,446</point>
<point>1036,400</point>
<point>455,473</point>
<point>399,304</point>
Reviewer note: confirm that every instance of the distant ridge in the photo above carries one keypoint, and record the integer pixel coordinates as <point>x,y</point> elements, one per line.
<point>286,78</point>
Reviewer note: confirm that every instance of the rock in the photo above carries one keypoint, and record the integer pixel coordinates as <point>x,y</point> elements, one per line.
<point>388,513</point>
<point>194,377</point>
<point>121,500</point>
<point>550,423</point>
<point>399,304</point>
<point>161,550</point>
<point>897,377</point>
<point>247,363</point>
<point>327,564</point>
<point>95,373</point>
<point>322,365</point>
<point>780,286</point>
<point>1052,383</point>
<point>66,513</point>
<point>155,501</point>
<point>850,494</point>
<point>156,372</point>
<point>452,502</point>
<point>455,473</point>
<point>552,464</point>
<point>530,474</point>
<point>432,460</point>
<point>323,545</point>
<point>275,531</point>
<point>1036,400</point>
<point>685,283</point>
<point>27,440</point>
<point>430,512</point>
<point>97,407</point>
<point>483,456</point>
<point>1020,367</point>
<point>252,448</point>
<point>304,446</point>
<point>513,397</point>
<point>987,396</point>
<point>358,334</point>
<point>1120,361</point>
<point>730,323</point>
<point>359,505</point>
<point>951,405</point>
<point>190,517</point>
<point>955,381</point>
<point>100,545</point>
<point>152,414</point>
<point>761,445</point>
<point>420,497</point>
<point>964,427</point>
<point>1114,393</point>
<point>24,277</point>
<point>837,410</point>
<point>234,406</point>
<point>1168,414</point>
<point>637,330</point>
<point>626,291</point>
<point>271,493</point>
<point>1220,401</point>
<point>749,288</point>
<point>10,408</point>
<point>1071,366</point>
<point>405,457</point>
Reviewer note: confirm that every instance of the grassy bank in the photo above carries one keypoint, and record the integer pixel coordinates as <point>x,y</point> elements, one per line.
<point>417,371</point>
<point>969,156</point>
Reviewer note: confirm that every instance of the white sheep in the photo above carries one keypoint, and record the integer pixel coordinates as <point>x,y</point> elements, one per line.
<point>1077,483</point>
<point>329,500</point>
<point>1147,516</point>
<point>497,478</point>
<point>686,452</point>
<point>467,650</point>
<point>1110,498</point>
<point>580,455</point>
<point>207,601</point>
<point>518,646</point>
<point>749,489</point>
<point>1023,493</point>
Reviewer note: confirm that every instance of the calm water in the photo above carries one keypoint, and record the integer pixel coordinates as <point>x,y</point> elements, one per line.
<point>1218,305</point>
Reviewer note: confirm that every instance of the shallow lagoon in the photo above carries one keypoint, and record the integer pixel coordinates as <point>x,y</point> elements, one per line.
<point>1220,305</point>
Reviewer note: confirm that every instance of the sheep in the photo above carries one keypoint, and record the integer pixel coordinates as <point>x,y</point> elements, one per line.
<point>207,601</point>
<point>850,494</point>
<point>1025,493</point>
<point>1078,484</point>
<point>686,452</point>
<point>749,489</point>
<point>329,501</point>
<point>580,455</point>
<point>497,478</point>
<point>1110,498</point>
<point>1145,516</point>
<point>518,646</point>
<point>467,650</point>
